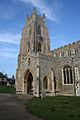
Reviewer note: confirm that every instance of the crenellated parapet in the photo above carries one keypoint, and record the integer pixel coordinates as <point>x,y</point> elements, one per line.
<point>69,50</point>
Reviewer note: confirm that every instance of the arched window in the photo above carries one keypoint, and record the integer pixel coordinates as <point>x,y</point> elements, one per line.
<point>29,32</point>
<point>28,46</point>
<point>39,47</point>
<point>29,61</point>
<point>39,29</point>
<point>67,72</point>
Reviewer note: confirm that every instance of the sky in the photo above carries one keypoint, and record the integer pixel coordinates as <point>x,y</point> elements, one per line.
<point>62,20</point>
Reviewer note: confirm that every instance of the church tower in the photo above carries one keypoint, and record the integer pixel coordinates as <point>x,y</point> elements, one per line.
<point>34,42</point>
<point>42,72</point>
<point>35,34</point>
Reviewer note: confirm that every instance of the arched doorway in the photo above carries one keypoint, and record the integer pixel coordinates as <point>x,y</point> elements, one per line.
<point>28,78</point>
<point>29,83</point>
<point>39,47</point>
<point>45,83</point>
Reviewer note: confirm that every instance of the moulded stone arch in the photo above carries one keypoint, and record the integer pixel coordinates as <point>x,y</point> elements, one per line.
<point>45,82</point>
<point>67,74</point>
<point>48,83</point>
<point>39,46</point>
<point>67,66</point>
<point>39,29</point>
<point>28,82</point>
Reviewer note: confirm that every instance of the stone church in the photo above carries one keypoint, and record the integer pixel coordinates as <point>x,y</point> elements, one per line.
<point>44,72</point>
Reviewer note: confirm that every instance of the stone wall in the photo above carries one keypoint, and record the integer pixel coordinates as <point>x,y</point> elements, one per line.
<point>67,55</point>
<point>45,63</point>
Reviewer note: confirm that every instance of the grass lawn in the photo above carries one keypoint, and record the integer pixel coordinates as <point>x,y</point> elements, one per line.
<point>55,108</point>
<point>7,89</point>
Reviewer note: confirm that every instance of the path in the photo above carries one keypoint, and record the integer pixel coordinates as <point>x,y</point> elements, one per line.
<point>12,108</point>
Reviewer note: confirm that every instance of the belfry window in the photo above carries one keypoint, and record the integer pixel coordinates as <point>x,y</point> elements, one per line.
<point>39,47</point>
<point>29,32</point>
<point>67,73</point>
<point>29,61</point>
<point>39,29</point>
<point>28,45</point>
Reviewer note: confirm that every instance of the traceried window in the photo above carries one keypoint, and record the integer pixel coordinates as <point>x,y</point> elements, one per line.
<point>60,55</point>
<point>72,51</point>
<point>39,29</point>
<point>76,50</point>
<point>29,61</point>
<point>39,47</point>
<point>65,53</point>
<point>29,32</point>
<point>28,46</point>
<point>67,73</point>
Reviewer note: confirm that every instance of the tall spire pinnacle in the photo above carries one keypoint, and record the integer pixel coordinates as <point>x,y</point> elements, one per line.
<point>34,10</point>
<point>44,16</point>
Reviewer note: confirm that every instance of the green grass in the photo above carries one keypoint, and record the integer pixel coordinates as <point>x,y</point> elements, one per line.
<point>55,108</point>
<point>7,89</point>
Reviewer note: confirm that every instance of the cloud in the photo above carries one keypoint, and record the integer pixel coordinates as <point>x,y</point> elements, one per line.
<point>8,37</point>
<point>43,7</point>
<point>9,44</point>
<point>9,52</point>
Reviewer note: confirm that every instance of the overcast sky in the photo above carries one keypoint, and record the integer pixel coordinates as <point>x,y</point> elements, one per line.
<point>62,20</point>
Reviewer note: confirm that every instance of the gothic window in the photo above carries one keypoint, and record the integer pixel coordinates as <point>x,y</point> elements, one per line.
<point>72,51</point>
<point>28,45</point>
<point>71,76</point>
<point>29,61</point>
<point>68,76</point>
<point>65,53</point>
<point>29,32</point>
<point>55,55</point>
<point>39,47</point>
<point>67,72</point>
<point>76,51</point>
<point>60,55</point>
<point>54,83</point>
<point>40,38</point>
<point>39,29</point>
<point>64,76</point>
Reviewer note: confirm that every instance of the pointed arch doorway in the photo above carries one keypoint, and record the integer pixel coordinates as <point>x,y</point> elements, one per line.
<point>45,83</point>
<point>28,82</point>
